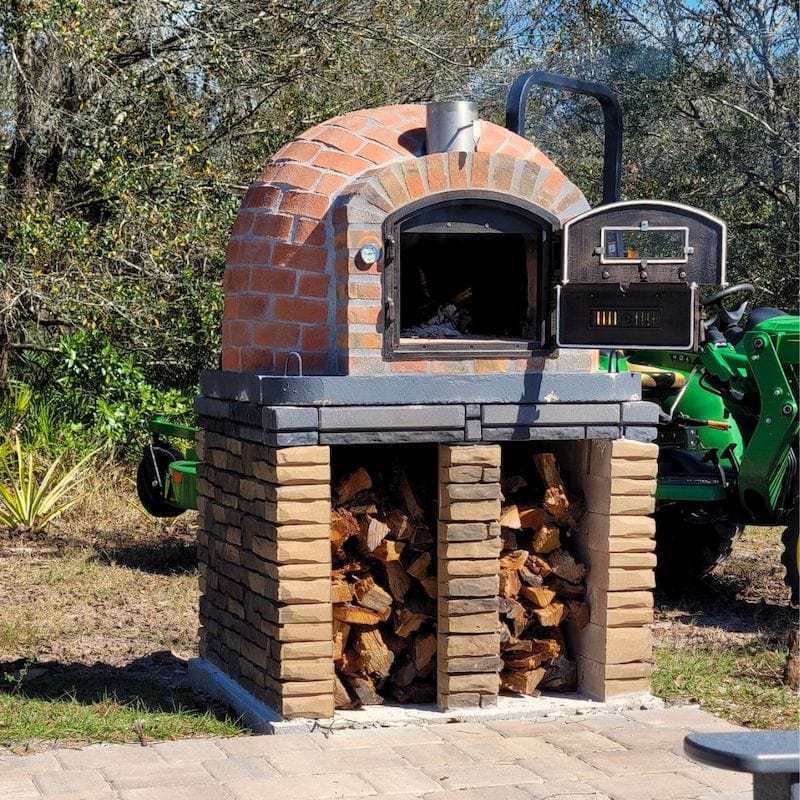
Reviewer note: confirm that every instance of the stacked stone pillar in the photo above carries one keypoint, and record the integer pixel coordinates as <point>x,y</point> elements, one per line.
<point>616,541</point>
<point>468,644</point>
<point>265,571</point>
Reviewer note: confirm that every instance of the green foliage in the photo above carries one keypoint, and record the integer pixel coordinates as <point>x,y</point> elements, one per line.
<point>28,502</point>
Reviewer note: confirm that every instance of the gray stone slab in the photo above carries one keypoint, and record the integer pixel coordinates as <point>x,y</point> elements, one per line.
<point>209,407</point>
<point>246,414</point>
<point>473,411</point>
<point>290,439</point>
<point>391,418</point>
<point>598,413</point>
<point>389,437</point>
<point>640,413</point>
<point>339,390</point>
<point>640,434</point>
<point>288,418</point>
<point>535,434</point>
<point>474,430</point>
<point>603,432</point>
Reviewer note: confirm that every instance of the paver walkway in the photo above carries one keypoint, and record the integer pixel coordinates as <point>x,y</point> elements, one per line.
<point>629,756</point>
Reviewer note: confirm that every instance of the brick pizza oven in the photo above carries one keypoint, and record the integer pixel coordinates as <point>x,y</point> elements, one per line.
<point>387,286</point>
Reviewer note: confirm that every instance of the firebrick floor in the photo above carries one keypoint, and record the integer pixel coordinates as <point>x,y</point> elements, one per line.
<point>635,755</point>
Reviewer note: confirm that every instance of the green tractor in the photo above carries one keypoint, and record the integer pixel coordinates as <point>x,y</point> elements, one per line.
<point>728,436</point>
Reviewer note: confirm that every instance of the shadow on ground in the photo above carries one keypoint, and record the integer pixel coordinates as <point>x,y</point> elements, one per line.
<point>170,555</point>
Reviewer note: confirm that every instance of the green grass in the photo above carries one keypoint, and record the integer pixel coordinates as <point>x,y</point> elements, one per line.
<point>740,683</point>
<point>86,705</point>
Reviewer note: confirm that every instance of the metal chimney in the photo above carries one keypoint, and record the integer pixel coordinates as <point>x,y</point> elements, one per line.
<point>450,126</point>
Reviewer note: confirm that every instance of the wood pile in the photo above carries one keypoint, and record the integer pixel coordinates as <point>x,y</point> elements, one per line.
<point>541,584</point>
<point>384,591</point>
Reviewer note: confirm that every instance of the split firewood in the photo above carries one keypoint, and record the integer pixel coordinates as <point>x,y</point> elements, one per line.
<point>341,592</point>
<point>555,495</point>
<point>364,690</point>
<point>528,576</point>
<point>510,583</point>
<point>517,618</point>
<point>341,632</point>
<point>398,580</point>
<point>355,615</point>
<point>538,565</point>
<point>343,526</point>
<point>421,538</point>
<point>341,697</point>
<point>420,566</point>
<point>388,550</point>
<point>423,651</point>
<point>406,674</point>
<point>372,532</point>
<point>407,621</point>
<point>547,538</point>
<point>348,664</point>
<point>522,682</point>
<point>430,586</point>
<point>399,524</point>
<point>537,650</point>
<point>551,616</point>
<point>509,539</point>
<point>562,675</point>
<point>540,596</point>
<point>510,484</point>
<point>565,566</point>
<point>369,595</point>
<point>410,501</point>
<point>352,485</point>
<point>514,560</point>
<point>374,656</point>
<point>509,518</point>
<point>578,613</point>
<point>565,589</point>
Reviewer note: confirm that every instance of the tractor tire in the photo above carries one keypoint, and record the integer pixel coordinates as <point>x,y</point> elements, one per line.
<point>687,551</point>
<point>790,558</point>
<point>150,491</point>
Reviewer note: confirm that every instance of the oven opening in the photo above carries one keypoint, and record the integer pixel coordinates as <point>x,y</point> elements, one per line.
<point>468,286</point>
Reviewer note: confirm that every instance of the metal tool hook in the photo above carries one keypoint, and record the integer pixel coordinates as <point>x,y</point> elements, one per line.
<point>299,364</point>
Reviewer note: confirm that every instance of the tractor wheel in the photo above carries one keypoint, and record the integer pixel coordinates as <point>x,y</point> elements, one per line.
<point>790,558</point>
<point>151,477</point>
<point>687,551</point>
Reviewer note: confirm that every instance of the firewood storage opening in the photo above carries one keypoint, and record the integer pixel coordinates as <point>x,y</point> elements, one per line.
<point>384,584</point>
<point>466,275</point>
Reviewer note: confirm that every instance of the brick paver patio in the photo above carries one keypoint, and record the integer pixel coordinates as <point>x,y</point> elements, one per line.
<point>628,756</point>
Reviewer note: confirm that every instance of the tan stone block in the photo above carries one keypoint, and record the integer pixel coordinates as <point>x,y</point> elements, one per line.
<point>636,526</point>
<point>306,612</point>
<point>307,669</point>
<point>460,700</point>
<point>600,499</point>
<point>604,680</point>
<point>623,580</point>
<point>614,645</point>
<point>458,455</point>
<point>293,688</point>
<point>470,587</point>
<point>473,605</point>
<point>628,617</point>
<point>299,456</point>
<point>252,490</point>
<point>299,650</point>
<point>630,449</point>
<point>301,632</point>
<point>603,599</point>
<point>312,591</point>
<point>624,468</point>
<point>490,474</point>
<point>465,531</point>
<point>296,512</point>
<point>469,624</point>
<point>485,683</point>
<point>293,552</point>
<point>317,707</point>
<point>468,568</point>
<point>304,492</point>
<point>291,475</point>
<point>478,511</point>
<point>302,570</point>
<point>292,533</point>
<point>488,548</point>
<point>598,560</point>
<point>464,474</point>
<point>460,646</point>
<point>643,486</point>
<point>484,664</point>
<point>471,491</point>
<point>633,669</point>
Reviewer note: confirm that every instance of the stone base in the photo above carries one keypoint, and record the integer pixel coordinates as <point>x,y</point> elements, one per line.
<point>259,718</point>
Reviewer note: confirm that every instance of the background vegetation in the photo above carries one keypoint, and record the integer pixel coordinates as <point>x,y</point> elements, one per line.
<point>129,130</point>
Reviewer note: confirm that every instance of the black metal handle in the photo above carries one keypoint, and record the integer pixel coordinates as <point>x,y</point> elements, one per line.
<point>517,100</point>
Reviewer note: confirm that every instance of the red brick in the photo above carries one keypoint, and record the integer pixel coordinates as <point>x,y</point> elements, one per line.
<point>273,226</point>
<point>305,204</point>
<point>437,176</point>
<point>341,162</point>
<point>231,360</point>
<point>450,367</point>
<point>330,184</point>
<point>316,338</point>
<point>363,291</point>
<point>389,139</point>
<point>501,175</point>
<point>298,150</point>
<point>413,180</point>
<point>230,307</point>
<point>356,315</point>
<point>313,286</point>
<point>458,169</point>
<point>395,188</point>
<point>309,231</point>
<point>364,365</point>
<point>300,309</point>
<point>248,251</point>
<point>365,341</point>
<point>480,171</point>
<point>310,259</point>
<point>243,224</point>
<point>261,197</point>
<point>276,334</point>
<point>273,281</point>
<point>526,180</point>
<point>491,365</point>
<point>236,334</point>
<point>296,175</point>
<point>257,359</point>
<point>549,190</point>
<point>573,196</point>
<point>315,363</point>
<point>376,153</point>
<point>492,138</point>
<point>421,366</point>
<point>340,139</point>
<point>253,307</point>
<point>236,279</point>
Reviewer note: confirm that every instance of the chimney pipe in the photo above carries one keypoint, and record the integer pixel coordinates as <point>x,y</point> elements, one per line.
<point>449,126</point>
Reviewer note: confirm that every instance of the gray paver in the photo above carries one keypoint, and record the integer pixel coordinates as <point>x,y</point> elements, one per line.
<point>245,768</point>
<point>302,787</point>
<point>327,761</point>
<point>635,762</point>
<point>691,717</point>
<point>136,776</point>
<point>577,742</point>
<point>99,756</point>
<point>188,750</point>
<point>88,782</point>
<point>203,792</point>
<point>401,779</point>
<point>657,786</point>
<point>486,793</point>
<point>434,755</point>
<point>464,731</point>
<point>17,786</point>
<point>562,768</point>
<point>478,775</point>
<point>506,750</point>
<point>40,762</point>
<point>565,790</point>
<point>524,727</point>
<point>367,737</point>
<point>267,745</point>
